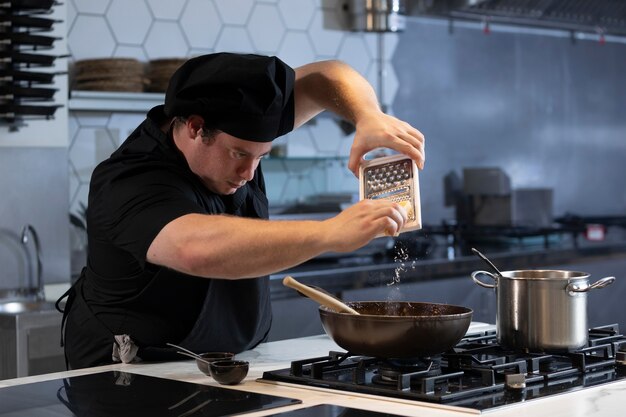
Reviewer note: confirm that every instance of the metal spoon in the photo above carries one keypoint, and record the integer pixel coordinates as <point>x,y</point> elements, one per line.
<point>196,357</point>
<point>189,353</point>
<point>320,297</point>
<point>484,258</point>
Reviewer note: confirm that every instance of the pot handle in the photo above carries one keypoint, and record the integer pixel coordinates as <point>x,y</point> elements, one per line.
<point>601,283</point>
<point>475,274</point>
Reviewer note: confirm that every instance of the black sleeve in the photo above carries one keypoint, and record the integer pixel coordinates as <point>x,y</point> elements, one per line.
<point>129,212</point>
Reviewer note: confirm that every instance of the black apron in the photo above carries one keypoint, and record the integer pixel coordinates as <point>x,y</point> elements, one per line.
<point>96,342</point>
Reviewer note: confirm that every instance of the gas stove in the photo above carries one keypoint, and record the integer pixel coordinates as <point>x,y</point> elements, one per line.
<point>476,374</point>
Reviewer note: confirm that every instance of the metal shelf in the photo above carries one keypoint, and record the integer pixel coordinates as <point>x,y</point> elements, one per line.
<point>113,101</point>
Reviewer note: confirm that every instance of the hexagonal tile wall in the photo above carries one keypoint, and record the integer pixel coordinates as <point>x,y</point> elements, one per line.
<point>123,15</point>
<point>298,31</point>
<point>201,23</point>
<point>266,16</point>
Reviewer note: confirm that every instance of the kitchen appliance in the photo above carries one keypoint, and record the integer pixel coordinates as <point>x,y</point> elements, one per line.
<point>484,197</point>
<point>393,178</point>
<point>119,394</point>
<point>329,410</point>
<point>477,374</point>
<point>541,309</point>
<point>376,15</point>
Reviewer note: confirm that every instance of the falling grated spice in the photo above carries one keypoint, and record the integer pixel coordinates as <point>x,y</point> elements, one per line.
<point>401,256</point>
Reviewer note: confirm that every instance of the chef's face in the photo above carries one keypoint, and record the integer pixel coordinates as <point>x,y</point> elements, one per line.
<point>225,163</point>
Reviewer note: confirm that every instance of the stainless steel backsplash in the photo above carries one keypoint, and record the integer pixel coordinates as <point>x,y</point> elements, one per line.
<point>546,109</point>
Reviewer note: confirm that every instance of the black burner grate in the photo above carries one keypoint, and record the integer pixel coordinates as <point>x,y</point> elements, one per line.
<point>477,373</point>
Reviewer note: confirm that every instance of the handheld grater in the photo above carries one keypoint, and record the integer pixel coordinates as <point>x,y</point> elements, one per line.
<point>393,178</point>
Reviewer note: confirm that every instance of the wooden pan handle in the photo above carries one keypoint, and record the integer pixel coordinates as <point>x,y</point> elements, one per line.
<point>318,296</point>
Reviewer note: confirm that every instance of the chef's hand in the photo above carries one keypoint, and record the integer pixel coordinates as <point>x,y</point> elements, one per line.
<point>359,224</point>
<point>379,130</point>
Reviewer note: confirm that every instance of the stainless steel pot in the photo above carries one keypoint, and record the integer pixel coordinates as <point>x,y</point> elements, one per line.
<point>541,310</point>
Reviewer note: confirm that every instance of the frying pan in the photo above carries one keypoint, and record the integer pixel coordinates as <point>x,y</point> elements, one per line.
<point>15,110</point>
<point>25,38</point>
<point>19,57</point>
<point>392,329</point>
<point>26,93</point>
<point>28,4</point>
<point>34,77</point>
<point>24,20</point>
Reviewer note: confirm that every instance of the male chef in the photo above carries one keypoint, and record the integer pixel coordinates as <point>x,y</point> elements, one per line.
<point>180,245</point>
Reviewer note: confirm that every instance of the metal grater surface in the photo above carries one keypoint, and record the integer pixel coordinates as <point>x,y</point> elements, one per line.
<point>393,178</point>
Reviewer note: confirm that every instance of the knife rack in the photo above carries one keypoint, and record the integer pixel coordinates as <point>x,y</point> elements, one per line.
<point>26,82</point>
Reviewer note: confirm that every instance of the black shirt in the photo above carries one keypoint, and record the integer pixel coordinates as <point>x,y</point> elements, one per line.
<point>143,186</point>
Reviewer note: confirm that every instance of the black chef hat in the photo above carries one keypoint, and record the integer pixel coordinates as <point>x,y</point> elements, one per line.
<point>247,96</point>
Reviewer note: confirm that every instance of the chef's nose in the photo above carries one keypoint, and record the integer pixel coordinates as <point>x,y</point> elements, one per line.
<point>247,168</point>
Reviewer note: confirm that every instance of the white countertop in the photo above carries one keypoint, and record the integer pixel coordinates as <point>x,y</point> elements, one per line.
<point>602,401</point>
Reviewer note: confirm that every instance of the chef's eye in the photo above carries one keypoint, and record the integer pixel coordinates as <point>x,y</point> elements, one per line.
<point>239,155</point>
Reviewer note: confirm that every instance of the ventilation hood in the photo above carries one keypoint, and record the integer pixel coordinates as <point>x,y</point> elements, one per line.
<point>596,16</point>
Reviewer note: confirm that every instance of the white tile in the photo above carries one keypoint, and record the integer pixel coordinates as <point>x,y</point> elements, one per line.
<point>297,14</point>
<point>301,182</point>
<point>71,14</point>
<point>300,143</point>
<point>327,136</point>
<point>342,180</point>
<point>166,9</point>
<point>354,52</point>
<point>325,41</point>
<point>90,37</point>
<point>73,126</point>
<point>91,118</point>
<point>275,179</point>
<point>389,81</point>
<point>345,146</point>
<point>121,125</point>
<point>129,20</point>
<point>74,181</point>
<point>92,146</point>
<point>91,6</point>
<point>199,51</point>
<point>165,40</point>
<point>390,42</point>
<point>79,198</point>
<point>266,28</point>
<point>296,49</point>
<point>235,12</point>
<point>234,39</point>
<point>127,51</point>
<point>201,23</point>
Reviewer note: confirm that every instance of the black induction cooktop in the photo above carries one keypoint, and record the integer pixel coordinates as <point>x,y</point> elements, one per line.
<point>123,394</point>
<point>328,410</point>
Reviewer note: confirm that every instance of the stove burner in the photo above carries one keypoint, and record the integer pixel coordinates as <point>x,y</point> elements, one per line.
<point>391,371</point>
<point>477,373</point>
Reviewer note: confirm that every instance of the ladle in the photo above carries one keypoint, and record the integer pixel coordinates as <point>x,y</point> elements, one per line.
<point>318,296</point>
<point>484,258</point>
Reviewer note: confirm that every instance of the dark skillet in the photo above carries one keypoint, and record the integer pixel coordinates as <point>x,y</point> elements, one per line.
<point>397,329</point>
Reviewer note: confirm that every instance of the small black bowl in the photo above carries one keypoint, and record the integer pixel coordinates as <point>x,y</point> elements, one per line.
<point>229,372</point>
<point>211,357</point>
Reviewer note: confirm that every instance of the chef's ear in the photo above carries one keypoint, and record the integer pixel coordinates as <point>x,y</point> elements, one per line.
<point>195,124</point>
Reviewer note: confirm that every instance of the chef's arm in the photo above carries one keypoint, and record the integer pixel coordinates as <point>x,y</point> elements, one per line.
<point>336,87</point>
<point>221,246</point>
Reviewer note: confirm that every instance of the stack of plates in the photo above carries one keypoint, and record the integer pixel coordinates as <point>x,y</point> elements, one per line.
<point>160,71</point>
<point>109,74</point>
